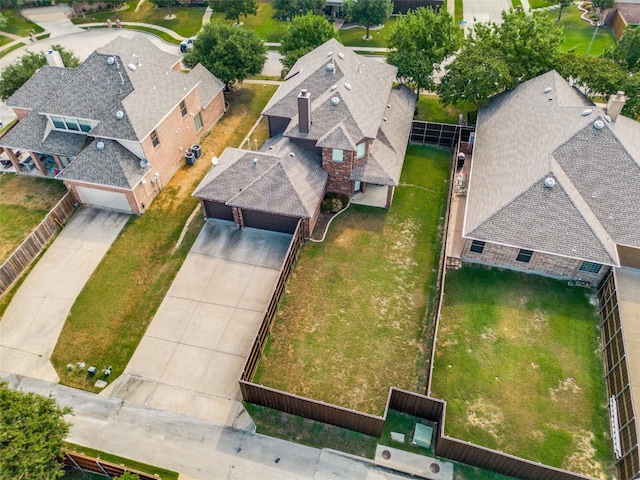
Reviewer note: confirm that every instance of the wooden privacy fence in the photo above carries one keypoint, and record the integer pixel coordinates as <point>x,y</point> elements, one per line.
<point>84,463</point>
<point>446,135</point>
<point>22,257</point>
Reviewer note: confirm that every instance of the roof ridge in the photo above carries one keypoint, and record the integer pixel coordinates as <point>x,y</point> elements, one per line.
<point>252,182</point>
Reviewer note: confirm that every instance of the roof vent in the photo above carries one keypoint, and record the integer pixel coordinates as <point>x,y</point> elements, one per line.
<point>330,67</point>
<point>100,145</point>
<point>598,124</point>
<point>586,112</point>
<point>333,87</point>
<point>335,101</point>
<point>292,154</point>
<point>347,86</point>
<point>388,105</point>
<point>607,118</point>
<point>329,53</point>
<point>341,55</point>
<point>547,90</point>
<point>111,60</point>
<point>144,163</point>
<point>255,162</point>
<point>384,119</point>
<point>549,182</point>
<point>132,67</point>
<point>119,114</point>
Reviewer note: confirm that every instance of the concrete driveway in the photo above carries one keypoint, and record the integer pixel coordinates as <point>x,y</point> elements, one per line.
<point>483,11</point>
<point>32,323</point>
<point>189,360</point>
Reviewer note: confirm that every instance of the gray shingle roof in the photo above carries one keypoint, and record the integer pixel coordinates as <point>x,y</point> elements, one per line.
<point>527,134</point>
<point>139,51</point>
<point>276,183</point>
<point>362,85</point>
<point>31,134</point>
<point>208,84</point>
<point>37,91</point>
<point>114,166</point>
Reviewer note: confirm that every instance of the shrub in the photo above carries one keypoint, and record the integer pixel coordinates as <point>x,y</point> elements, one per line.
<point>334,202</point>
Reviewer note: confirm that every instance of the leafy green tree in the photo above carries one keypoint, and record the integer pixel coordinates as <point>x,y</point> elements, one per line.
<point>32,430</point>
<point>17,73</point>
<point>368,12</point>
<point>475,75</point>
<point>287,9</point>
<point>563,4</point>
<point>8,4</point>
<point>230,53</point>
<point>128,476</point>
<point>305,33</point>
<point>601,6</point>
<point>627,51</point>
<point>596,76</point>
<point>233,9</point>
<point>419,42</point>
<point>163,3</point>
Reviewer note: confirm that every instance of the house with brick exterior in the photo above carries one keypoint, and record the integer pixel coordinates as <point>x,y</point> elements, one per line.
<point>337,125</point>
<point>553,185</point>
<point>116,128</point>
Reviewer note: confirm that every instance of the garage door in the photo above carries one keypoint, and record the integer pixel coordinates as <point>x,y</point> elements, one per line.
<point>218,210</point>
<point>104,198</point>
<point>267,221</point>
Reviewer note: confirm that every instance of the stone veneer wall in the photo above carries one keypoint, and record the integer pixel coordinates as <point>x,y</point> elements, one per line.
<point>541,263</point>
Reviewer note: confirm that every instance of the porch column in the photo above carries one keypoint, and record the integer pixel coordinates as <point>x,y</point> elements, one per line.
<point>38,163</point>
<point>58,162</point>
<point>14,160</point>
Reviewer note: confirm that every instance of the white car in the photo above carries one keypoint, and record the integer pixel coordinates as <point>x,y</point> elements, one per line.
<point>187,45</point>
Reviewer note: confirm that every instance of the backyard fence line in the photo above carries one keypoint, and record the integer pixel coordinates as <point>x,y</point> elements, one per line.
<point>31,247</point>
<point>403,401</point>
<point>85,463</point>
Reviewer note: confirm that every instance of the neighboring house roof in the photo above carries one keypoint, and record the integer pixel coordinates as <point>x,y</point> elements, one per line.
<point>360,84</point>
<point>112,165</point>
<point>527,135</point>
<point>276,182</point>
<point>630,11</point>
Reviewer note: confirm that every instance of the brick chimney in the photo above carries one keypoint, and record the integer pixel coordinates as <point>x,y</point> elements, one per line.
<point>53,58</point>
<point>615,104</point>
<point>304,111</point>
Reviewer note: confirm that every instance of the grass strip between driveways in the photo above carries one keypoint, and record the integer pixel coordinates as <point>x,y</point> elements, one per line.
<point>352,321</point>
<point>120,299</point>
<point>517,362</point>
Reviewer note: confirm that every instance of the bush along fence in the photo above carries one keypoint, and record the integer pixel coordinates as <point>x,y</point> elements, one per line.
<point>85,464</point>
<point>22,257</point>
<point>402,401</point>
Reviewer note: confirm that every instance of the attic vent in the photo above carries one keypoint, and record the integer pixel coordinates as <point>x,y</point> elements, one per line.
<point>292,154</point>
<point>333,87</point>
<point>586,112</point>
<point>347,86</point>
<point>547,90</point>
<point>329,53</point>
<point>119,114</point>
<point>607,118</point>
<point>335,101</point>
<point>144,163</point>
<point>111,60</point>
<point>132,67</point>
<point>388,105</point>
<point>341,55</point>
<point>384,119</point>
<point>329,67</point>
<point>549,182</point>
<point>255,162</point>
<point>598,124</point>
<point>100,145</point>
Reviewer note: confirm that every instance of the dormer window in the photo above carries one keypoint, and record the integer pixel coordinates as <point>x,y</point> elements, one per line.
<point>362,150</point>
<point>72,124</point>
<point>58,122</point>
<point>69,123</point>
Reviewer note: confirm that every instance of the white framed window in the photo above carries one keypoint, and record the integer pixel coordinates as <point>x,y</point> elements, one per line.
<point>154,139</point>
<point>337,155</point>
<point>72,124</point>
<point>477,246</point>
<point>58,122</point>
<point>183,108</point>
<point>361,150</point>
<point>198,121</point>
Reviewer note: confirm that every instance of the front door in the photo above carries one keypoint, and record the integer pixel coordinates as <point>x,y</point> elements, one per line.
<point>357,186</point>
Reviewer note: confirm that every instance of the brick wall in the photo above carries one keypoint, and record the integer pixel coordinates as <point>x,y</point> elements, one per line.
<point>541,263</point>
<point>339,173</point>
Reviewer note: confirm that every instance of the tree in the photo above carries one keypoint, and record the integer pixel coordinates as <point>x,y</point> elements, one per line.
<point>562,4</point>
<point>128,476</point>
<point>626,52</point>
<point>305,33</point>
<point>601,6</point>
<point>419,42</point>
<point>230,53</point>
<point>287,9</point>
<point>32,430</point>
<point>368,12</point>
<point>475,75</point>
<point>17,73</point>
<point>163,3</point>
<point>233,9</point>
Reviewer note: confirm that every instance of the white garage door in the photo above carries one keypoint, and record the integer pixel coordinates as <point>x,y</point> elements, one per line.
<point>104,198</point>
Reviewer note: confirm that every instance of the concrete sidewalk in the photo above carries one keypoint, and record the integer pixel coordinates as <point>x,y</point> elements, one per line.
<point>34,319</point>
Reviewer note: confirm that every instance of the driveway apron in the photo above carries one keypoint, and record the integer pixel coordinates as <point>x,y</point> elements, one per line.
<point>32,323</point>
<point>190,359</point>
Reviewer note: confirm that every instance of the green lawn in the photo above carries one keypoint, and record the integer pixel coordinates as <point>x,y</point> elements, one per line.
<point>458,11</point>
<point>517,362</point>
<point>431,110</point>
<point>116,305</point>
<point>352,321</point>
<point>19,25</point>
<point>578,33</point>
<point>24,202</point>
<point>265,26</point>
<point>354,37</point>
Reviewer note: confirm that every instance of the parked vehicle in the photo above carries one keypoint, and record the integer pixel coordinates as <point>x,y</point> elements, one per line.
<point>187,45</point>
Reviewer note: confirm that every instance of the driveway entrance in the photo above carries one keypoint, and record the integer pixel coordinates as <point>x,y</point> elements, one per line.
<point>189,360</point>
